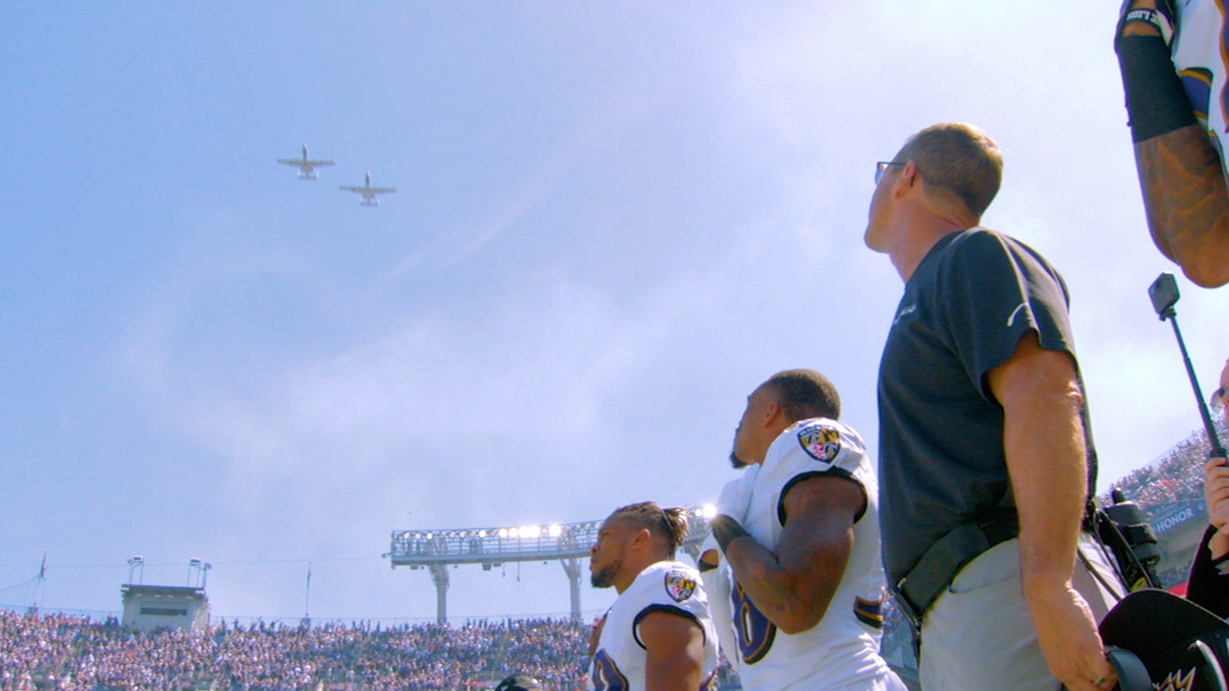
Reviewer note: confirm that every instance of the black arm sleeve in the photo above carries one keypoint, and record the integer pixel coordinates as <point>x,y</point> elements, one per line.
<point>1156,101</point>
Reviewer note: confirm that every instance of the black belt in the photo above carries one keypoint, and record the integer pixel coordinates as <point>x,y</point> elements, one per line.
<point>918,589</point>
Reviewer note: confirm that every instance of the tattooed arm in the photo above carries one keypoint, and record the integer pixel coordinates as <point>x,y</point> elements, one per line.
<point>1179,169</point>
<point>794,586</point>
<point>1187,202</point>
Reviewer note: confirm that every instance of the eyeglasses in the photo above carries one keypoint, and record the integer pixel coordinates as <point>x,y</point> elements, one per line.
<point>1218,400</point>
<point>882,167</point>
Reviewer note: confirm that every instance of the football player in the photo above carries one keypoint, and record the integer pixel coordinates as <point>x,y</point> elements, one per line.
<point>800,534</point>
<point>658,635</point>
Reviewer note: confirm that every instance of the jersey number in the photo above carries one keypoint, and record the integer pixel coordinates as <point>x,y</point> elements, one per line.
<point>755,632</point>
<point>606,675</point>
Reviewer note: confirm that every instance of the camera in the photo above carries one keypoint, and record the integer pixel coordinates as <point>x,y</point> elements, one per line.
<point>1164,294</point>
<point>1133,542</point>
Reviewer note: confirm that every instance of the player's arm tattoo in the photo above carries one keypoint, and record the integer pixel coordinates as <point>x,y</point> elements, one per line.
<point>793,585</point>
<point>1187,202</point>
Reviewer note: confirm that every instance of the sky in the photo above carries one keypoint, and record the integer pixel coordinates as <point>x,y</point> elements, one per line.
<point>612,221</point>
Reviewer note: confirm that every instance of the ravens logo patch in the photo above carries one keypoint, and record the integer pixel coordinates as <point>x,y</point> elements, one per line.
<point>679,585</point>
<point>821,442</point>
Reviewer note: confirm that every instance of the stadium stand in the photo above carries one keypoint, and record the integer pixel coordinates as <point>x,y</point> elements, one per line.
<point>1176,476</point>
<point>1169,492</point>
<point>78,653</point>
<point>58,651</point>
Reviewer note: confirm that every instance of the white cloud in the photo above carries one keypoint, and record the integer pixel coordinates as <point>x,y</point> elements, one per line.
<point>554,393</point>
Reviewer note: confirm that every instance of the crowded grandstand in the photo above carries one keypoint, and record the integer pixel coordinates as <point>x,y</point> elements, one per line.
<point>71,651</point>
<point>60,651</point>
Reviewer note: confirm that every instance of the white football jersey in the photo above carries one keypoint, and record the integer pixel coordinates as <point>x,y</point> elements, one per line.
<point>619,661</point>
<point>843,648</point>
<point>1199,55</point>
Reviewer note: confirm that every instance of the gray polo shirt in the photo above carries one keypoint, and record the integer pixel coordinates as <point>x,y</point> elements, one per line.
<point>940,429</point>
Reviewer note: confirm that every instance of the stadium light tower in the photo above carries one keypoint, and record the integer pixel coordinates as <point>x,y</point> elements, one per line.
<point>568,544</point>
<point>136,563</point>
<point>198,571</point>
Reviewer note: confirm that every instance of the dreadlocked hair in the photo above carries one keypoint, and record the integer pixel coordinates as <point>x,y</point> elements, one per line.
<point>670,524</point>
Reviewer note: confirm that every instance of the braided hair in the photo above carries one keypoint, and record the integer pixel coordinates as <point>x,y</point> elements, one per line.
<point>670,524</point>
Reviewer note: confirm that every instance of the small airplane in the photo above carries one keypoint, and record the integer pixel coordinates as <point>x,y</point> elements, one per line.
<point>307,167</point>
<point>369,193</point>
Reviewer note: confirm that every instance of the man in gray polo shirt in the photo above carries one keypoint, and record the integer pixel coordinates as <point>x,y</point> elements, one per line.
<point>986,466</point>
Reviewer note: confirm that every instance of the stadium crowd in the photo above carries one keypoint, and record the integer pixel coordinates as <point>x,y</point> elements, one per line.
<point>70,652</point>
<point>58,651</point>
<point>1177,476</point>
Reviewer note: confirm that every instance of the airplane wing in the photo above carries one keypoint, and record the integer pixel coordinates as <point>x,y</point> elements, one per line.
<point>352,189</point>
<point>320,163</point>
<point>382,190</point>
<point>290,161</point>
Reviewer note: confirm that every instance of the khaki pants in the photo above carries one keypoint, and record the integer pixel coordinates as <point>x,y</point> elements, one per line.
<point>979,634</point>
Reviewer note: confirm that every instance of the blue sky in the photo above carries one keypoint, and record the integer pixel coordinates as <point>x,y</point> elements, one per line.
<point>611,223</point>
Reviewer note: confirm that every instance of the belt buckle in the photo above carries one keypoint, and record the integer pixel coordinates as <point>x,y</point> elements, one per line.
<point>910,610</point>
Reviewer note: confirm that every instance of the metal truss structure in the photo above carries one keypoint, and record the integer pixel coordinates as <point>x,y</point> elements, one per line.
<point>436,550</point>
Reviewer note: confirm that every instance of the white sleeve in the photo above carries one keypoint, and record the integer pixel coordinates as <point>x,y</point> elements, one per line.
<point>717,587</point>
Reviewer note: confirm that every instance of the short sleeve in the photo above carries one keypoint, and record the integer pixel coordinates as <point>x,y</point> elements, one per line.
<point>997,291</point>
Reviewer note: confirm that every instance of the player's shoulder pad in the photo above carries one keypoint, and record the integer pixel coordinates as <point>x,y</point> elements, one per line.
<point>821,439</point>
<point>680,584</point>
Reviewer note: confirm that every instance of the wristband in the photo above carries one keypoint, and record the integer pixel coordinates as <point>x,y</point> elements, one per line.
<point>726,530</point>
<point>1156,18</point>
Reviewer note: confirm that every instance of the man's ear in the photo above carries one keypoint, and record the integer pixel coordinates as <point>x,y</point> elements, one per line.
<point>642,538</point>
<point>771,412</point>
<point>908,177</point>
